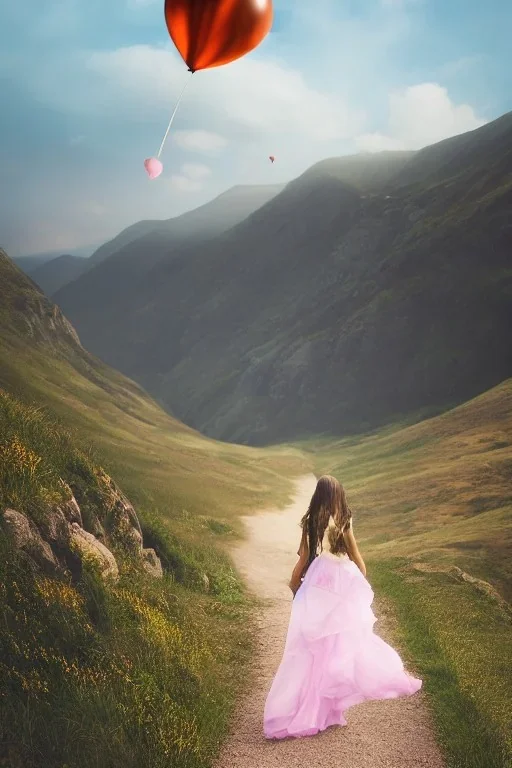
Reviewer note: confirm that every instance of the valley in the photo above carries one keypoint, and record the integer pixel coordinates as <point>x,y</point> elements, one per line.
<point>355,322</point>
<point>355,297</point>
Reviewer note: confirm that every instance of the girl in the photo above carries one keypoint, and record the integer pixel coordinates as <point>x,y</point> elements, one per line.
<point>332,659</point>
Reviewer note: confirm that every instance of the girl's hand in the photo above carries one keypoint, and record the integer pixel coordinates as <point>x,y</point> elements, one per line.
<point>300,566</point>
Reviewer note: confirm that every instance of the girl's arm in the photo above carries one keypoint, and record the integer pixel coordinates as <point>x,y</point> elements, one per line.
<point>303,554</point>
<point>352,549</point>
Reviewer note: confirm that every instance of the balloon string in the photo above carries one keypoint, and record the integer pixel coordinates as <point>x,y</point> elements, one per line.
<point>173,116</point>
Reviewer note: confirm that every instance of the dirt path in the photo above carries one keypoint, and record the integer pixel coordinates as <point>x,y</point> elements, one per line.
<point>388,734</point>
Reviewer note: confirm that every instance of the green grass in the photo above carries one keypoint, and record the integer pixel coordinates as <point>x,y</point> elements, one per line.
<point>433,510</point>
<point>142,672</point>
<point>460,643</point>
<point>437,491</point>
<point>36,454</point>
<point>156,459</point>
<point>131,675</point>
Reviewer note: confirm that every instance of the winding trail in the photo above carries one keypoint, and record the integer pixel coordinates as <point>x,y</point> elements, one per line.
<point>388,734</point>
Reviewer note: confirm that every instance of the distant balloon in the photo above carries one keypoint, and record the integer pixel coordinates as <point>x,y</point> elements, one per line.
<point>271,158</point>
<point>153,167</point>
<point>210,33</point>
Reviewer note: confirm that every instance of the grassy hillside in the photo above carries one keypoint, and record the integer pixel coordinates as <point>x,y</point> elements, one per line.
<point>370,288</point>
<point>137,672</point>
<point>433,516</point>
<point>41,360</point>
<point>142,671</point>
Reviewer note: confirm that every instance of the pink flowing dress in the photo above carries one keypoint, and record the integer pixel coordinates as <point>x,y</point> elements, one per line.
<point>332,657</point>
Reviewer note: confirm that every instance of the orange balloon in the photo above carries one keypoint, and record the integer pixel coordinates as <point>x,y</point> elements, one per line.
<point>209,33</point>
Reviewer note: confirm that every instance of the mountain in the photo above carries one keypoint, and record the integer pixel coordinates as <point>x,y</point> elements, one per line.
<point>370,288</point>
<point>33,261</point>
<point>150,238</point>
<point>58,272</point>
<point>126,259</point>
<point>367,173</point>
<point>208,220</point>
<point>53,271</point>
<point>27,316</point>
<point>29,263</point>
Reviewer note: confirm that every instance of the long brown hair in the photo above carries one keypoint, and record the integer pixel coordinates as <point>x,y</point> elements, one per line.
<point>328,501</point>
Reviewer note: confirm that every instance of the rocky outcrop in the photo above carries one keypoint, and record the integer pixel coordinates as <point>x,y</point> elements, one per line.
<point>121,523</point>
<point>25,536</point>
<point>70,508</point>
<point>63,539</point>
<point>90,550</point>
<point>151,563</point>
<point>55,526</point>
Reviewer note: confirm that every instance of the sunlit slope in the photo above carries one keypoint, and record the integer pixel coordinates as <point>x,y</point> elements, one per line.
<point>159,462</point>
<point>437,491</point>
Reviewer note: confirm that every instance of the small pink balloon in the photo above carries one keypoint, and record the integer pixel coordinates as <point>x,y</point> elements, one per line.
<point>153,167</point>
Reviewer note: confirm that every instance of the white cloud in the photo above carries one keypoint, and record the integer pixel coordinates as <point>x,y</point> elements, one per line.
<point>184,183</point>
<point>251,94</point>
<point>377,142</point>
<point>462,65</point>
<point>195,171</point>
<point>418,116</point>
<point>199,141</point>
<point>191,177</point>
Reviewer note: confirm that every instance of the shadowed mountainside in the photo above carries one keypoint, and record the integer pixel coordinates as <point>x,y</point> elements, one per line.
<point>58,272</point>
<point>125,260</point>
<point>210,219</point>
<point>371,287</point>
<point>142,244</point>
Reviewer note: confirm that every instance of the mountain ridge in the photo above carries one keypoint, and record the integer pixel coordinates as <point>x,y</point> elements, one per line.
<point>200,218</point>
<point>58,272</point>
<point>346,301</point>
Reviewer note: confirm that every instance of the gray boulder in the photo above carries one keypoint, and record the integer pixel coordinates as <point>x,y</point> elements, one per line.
<point>88,548</point>
<point>151,563</point>
<point>25,537</point>
<point>122,523</point>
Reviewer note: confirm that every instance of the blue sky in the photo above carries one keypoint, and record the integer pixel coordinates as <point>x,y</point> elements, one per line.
<point>88,88</point>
